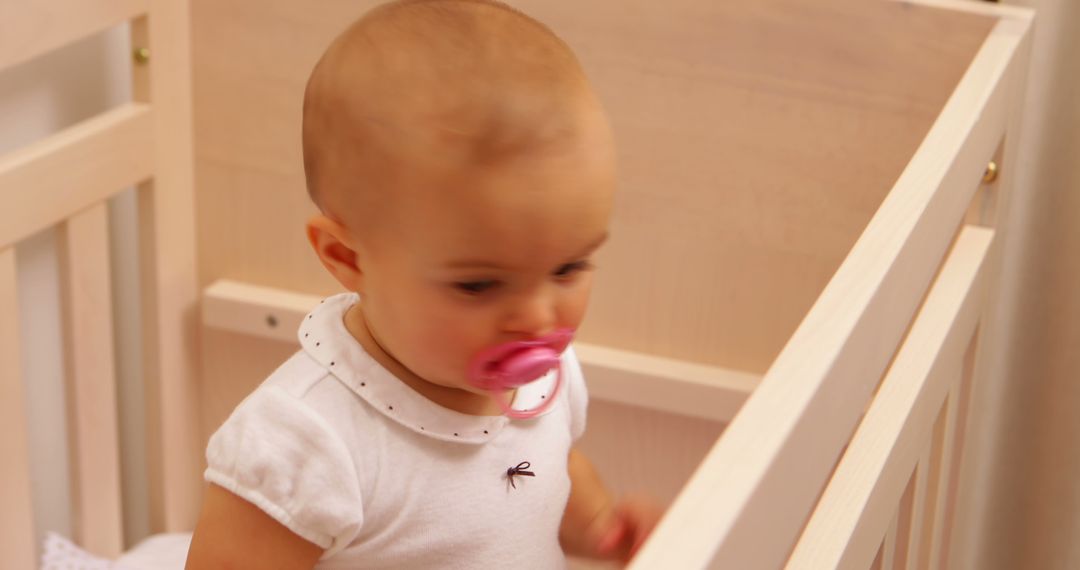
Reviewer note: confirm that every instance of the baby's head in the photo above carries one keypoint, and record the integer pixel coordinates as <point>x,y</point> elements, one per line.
<point>465,174</point>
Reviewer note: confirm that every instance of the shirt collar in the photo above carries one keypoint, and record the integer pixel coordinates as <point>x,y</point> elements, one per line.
<point>323,336</point>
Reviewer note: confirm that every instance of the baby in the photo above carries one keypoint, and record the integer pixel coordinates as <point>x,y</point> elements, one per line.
<point>464,171</point>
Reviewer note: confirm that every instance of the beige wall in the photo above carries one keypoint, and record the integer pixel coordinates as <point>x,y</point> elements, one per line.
<point>1026,474</point>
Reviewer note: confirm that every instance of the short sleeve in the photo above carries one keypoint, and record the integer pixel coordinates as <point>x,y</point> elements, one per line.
<point>577,394</point>
<point>277,453</point>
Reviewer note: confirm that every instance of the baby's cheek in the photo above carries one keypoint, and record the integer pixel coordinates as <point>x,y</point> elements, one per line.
<point>573,307</point>
<point>452,338</point>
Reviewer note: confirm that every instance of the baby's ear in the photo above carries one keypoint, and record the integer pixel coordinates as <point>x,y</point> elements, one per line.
<point>330,240</point>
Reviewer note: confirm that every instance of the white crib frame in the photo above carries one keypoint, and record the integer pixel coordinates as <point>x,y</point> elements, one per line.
<point>64,181</point>
<point>787,483</point>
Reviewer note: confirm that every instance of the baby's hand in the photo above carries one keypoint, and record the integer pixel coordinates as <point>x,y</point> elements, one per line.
<point>624,529</point>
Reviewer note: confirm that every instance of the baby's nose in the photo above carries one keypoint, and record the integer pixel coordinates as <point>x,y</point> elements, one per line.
<point>532,315</point>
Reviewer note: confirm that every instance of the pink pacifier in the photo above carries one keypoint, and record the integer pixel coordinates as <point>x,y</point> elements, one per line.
<point>513,364</point>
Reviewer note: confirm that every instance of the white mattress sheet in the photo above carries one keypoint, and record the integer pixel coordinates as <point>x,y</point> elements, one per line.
<point>158,552</point>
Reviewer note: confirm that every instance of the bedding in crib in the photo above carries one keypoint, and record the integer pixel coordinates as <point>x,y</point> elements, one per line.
<point>159,552</point>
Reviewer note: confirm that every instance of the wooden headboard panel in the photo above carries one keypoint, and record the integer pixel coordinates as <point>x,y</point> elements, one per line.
<point>64,182</point>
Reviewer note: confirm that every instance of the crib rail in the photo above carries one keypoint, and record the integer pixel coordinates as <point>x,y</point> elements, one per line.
<point>73,170</point>
<point>30,29</point>
<point>650,382</point>
<point>64,182</point>
<point>16,534</point>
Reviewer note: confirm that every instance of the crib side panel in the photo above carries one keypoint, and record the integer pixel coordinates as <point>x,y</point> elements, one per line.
<point>64,182</point>
<point>896,461</point>
<point>17,548</point>
<point>747,504</point>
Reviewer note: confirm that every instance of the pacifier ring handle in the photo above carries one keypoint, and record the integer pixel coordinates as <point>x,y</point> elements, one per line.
<point>505,404</point>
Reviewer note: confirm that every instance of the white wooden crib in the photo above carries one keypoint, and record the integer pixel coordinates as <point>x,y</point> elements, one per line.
<point>814,187</point>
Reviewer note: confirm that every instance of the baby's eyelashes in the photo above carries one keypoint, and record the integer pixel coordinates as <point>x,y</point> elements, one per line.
<point>571,268</point>
<point>476,287</point>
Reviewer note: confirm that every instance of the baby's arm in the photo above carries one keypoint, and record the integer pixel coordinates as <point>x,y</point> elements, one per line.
<point>233,533</point>
<point>589,511</point>
<point>594,525</point>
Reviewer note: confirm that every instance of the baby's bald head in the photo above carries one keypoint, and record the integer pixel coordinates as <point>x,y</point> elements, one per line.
<point>436,85</point>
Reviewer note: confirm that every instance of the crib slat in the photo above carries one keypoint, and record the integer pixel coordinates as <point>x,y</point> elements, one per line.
<point>16,515</point>
<point>920,508</point>
<point>931,527</point>
<point>904,516</point>
<point>44,26</point>
<point>72,169</point>
<point>952,435</point>
<point>888,545</point>
<point>927,528</point>
<point>83,249</point>
<point>872,475</point>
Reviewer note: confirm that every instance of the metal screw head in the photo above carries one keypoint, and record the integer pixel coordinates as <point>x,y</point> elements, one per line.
<point>141,55</point>
<point>991,173</point>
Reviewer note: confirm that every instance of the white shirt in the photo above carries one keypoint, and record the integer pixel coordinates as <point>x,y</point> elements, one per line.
<point>344,454</point>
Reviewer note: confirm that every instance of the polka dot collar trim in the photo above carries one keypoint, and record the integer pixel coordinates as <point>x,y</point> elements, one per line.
<point>323,336</point>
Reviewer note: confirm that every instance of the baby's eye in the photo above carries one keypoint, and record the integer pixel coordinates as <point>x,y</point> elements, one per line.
<point>572,268</point>
<point>476,287</point>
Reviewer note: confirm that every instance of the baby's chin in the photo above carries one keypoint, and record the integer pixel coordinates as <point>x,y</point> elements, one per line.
<point>460,384</point>
<point>441,378</point>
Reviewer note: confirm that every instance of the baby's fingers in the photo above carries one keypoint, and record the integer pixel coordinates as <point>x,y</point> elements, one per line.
<point>642,516</point>
<point>613,537</point>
